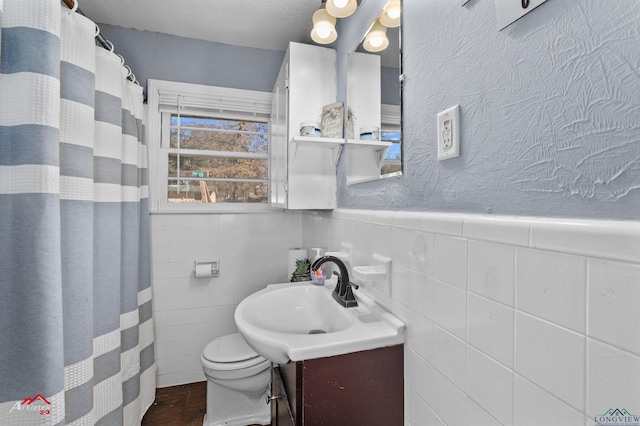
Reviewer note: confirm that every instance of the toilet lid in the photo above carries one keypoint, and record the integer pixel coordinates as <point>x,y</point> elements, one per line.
<point>230,348</point>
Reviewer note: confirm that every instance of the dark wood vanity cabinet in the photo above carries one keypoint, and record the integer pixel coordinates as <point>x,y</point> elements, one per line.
<point>362,388</point>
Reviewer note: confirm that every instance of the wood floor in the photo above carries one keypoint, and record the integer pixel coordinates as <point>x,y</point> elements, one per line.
<point>183,405</point>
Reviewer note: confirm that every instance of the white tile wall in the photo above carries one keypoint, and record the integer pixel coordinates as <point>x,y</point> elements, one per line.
<point>510,320</point>
<point>190,312</point>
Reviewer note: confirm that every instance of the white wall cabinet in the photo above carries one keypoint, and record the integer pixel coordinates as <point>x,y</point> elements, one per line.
<point>303,169</point>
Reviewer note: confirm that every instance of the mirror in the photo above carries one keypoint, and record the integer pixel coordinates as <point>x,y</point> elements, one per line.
<point>374,98</point>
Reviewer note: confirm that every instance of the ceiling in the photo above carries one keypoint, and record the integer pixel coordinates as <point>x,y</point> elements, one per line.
<point>263,24</point>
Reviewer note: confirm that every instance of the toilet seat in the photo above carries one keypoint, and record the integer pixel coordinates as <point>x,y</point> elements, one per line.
<point>231,352</point>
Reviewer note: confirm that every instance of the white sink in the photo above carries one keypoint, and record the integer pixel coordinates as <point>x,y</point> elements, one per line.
<point>297,321</point>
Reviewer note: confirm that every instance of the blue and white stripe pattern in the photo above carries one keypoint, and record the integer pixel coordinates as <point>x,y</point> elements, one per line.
<point>75,312</point>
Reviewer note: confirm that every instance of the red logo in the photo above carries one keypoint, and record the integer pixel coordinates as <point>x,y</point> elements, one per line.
<point>41,405</point>
<point>30,401</point>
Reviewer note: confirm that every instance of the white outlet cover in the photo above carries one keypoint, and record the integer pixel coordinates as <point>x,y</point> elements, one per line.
<point>453,151</point>
<point>509,11</point>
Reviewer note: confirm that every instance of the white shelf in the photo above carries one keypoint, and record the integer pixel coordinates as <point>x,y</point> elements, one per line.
<point>319,142</point>
<point>379,147</point>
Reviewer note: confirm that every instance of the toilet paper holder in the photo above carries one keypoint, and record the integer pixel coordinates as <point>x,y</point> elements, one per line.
<point>206,269</point>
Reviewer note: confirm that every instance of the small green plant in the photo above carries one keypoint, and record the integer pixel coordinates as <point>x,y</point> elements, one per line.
<point>302,271</point>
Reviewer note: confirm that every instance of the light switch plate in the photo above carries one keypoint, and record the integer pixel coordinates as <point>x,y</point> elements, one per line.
<point>509,11</point>
<point>449,133</point>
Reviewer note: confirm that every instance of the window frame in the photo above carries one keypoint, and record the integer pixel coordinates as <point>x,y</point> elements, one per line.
<point>221,102</point>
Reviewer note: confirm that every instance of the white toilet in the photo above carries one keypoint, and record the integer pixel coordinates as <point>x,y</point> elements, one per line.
<point>237,383</point>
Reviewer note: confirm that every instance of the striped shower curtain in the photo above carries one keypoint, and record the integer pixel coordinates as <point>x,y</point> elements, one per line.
<point>76,332</point>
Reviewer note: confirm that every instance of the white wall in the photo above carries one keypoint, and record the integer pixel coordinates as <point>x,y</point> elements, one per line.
<point>510,320</point>
<point>190,312</point>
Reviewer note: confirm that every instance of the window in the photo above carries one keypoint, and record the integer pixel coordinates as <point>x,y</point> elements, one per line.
<point>391,132</point>
<point>212,147</point>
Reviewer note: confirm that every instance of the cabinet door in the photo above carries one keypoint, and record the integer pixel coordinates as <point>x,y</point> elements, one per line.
<point>278,140</point>
<point>361,388</point>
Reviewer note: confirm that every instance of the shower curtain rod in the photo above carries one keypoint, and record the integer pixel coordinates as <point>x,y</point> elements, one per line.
<point>103,41</point>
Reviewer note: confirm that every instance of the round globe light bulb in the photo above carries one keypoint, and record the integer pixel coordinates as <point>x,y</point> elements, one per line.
<point>341,8</point>
<point>394,13</point>
<point>376,41</point>
<point>390,17</point>
<point>323,32</point>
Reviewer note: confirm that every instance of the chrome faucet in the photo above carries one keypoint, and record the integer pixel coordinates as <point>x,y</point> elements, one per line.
<point>343,293</point>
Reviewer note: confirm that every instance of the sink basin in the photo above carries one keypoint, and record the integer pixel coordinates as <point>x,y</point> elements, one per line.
<point>300,309</point>
<point>297,321</point>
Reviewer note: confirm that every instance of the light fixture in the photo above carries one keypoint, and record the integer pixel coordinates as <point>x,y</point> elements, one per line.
<point>341,8</point>
<point>390,16</point>
<point>376,40</point>
<point>324,27</point>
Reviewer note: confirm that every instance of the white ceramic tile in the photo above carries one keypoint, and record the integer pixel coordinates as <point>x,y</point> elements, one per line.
<point>551,357</point>
<point>187,347</point>
<point>451,260</point>
<point>168,286</point>
<point>408,220</point>
<point>491,328</point>
<point>534,406</point>
<point>616,240</point>
<point>420,335</point>
<point>164,254</point>
<point>477,416</point>
<point>362,236</point>
<point>552,286</point>
<point>422,253</point>
<point>168,270</point>
<point>450,311</point>
<point>613,379</point>
<point>193,221</point>
<point>443,223</point>
<point>380,240</point>
<point>178,364</point>
<point>401,284</point>
<point>450,354</point>
<point>195,315</point>
<point>211,221</point>
<point>614,303</point>
<point>421,294</point>
<point>500,229</point>
<point>379,217</point>
<point>450,402</point>
<point>421,377</point>
<point>490,385</point>
<point>419,412</point>
<point>159,239</point>
<point>401,246</point>
<point>492,271</point>
<point>181,378</point>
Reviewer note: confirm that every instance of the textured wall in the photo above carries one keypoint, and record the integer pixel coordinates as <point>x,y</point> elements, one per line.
<point>550,111</point>
<point>165,57</point>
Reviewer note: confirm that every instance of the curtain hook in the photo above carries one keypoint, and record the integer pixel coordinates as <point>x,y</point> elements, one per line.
<point>75,6</point>
<point>121,58</point>
<point>110,44</point>
<point>129,70</point>
<point>97,31</point>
